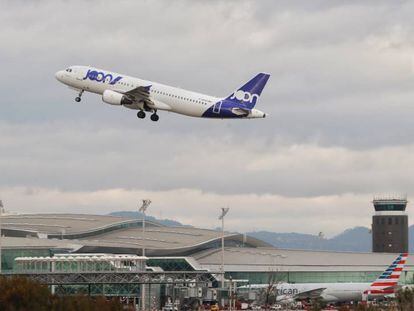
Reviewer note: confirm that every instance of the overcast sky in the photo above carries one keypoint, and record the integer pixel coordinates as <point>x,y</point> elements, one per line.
<point>340,99</point>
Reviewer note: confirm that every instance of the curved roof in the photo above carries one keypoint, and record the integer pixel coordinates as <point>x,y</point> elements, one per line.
<point>98,233</point>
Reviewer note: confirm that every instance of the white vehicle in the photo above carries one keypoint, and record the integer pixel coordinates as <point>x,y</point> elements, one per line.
<point>384,286</point>
<point>146,96</point>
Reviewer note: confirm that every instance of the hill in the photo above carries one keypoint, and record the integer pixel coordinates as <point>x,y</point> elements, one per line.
<point>165,222</point>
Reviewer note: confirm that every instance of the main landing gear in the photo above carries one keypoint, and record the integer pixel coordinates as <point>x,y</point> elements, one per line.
<point>141,114</point>
<point>154,117</point>
<point>78,98</point>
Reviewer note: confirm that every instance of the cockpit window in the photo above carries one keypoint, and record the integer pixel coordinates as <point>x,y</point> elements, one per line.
<point>68,70</point>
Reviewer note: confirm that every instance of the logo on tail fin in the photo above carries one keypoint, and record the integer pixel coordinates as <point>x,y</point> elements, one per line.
<point>388,280</point>
<point>244,96</point>
<point>248,94</point>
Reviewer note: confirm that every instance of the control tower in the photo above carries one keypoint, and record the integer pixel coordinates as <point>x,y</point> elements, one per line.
<point>390,225</point>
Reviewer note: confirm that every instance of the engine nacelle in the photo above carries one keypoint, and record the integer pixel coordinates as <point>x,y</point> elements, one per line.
<point>115,98</point>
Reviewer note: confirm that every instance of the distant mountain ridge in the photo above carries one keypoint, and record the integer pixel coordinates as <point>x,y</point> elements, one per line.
<point>356,239</point>
<point>165,222</point>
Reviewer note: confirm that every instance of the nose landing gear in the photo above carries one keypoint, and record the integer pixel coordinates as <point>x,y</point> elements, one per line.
<point>78,98</point>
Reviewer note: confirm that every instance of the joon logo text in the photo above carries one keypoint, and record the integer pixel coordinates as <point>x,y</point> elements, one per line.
<point>244,96</point>
<point>100,76</point>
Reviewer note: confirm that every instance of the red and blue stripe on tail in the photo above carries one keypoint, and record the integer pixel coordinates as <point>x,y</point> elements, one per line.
<point>386,283</point>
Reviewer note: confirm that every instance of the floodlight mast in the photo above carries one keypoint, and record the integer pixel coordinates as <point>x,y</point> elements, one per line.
<point>142,209</point>
<point>224,211</point>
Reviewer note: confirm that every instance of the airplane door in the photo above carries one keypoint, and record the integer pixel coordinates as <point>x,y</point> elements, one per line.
<point>217,107</point>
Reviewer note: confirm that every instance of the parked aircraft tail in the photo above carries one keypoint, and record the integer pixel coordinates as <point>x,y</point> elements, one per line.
<point>387,282</point>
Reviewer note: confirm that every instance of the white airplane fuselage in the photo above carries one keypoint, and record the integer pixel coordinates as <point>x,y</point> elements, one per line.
<point>384,286</point>
<point>115,87</point>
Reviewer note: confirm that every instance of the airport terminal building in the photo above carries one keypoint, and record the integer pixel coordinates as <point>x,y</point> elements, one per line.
<point>184,249</point>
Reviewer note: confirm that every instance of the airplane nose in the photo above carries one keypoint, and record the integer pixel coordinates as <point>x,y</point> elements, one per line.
<point>58,75</point>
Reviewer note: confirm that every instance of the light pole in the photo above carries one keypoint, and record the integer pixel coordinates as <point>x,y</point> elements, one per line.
<point>142,209</point>
<point>224,211</point>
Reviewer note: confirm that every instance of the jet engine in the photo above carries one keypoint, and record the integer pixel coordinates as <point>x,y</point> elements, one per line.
<point>115,98</point>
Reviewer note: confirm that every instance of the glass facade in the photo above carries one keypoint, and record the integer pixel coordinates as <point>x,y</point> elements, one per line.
<point>181,264</point>
<point>8,256</point>
<point>390,205</point>
<point>315,277</point>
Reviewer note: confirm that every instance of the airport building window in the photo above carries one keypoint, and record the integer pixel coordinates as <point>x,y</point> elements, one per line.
<point>309,277</point>
<point>8,256</point>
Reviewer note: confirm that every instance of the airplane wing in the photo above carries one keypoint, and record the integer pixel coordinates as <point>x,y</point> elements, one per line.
<point>391,288</point>
<point>314,293</point>
<point>141,96</point>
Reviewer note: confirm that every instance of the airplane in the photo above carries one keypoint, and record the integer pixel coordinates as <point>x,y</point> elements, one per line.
<point>146,96</point>
<point>384,286</point>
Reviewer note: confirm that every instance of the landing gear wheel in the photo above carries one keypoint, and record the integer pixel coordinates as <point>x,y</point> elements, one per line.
<point>78,98</point>
<point>141,114</point>
<point>154,117</point>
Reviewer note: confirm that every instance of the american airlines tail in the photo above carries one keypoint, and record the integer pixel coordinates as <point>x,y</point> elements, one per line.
<point>387,282</point>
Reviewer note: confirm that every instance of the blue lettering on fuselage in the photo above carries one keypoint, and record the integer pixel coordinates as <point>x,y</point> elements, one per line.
<point>286,291</point>
<point>100,76</point>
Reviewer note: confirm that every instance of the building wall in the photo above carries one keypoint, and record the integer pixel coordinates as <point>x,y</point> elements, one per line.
<point>390,233</point>
<point>315,277</point>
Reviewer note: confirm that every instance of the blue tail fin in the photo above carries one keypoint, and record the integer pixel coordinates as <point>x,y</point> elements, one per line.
<point>249,93</point>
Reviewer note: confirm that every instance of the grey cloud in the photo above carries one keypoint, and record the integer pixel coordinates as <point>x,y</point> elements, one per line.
<point>85,157</point>
<point>340,98</point>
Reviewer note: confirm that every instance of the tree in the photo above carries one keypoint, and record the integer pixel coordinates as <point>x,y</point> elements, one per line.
<point>21,294</point>
<point>405,299</point>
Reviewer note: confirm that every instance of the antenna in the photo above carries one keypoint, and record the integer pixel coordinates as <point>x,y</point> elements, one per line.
<point>144,206</point>
<point>224,211</point>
